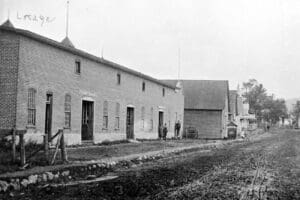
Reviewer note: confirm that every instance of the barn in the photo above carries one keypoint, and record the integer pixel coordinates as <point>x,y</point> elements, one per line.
<point>206,107</point>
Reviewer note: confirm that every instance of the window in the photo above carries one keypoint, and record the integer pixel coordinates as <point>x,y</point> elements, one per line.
<point>68,111</point>
<point>163,92</point>
<point>143,86</point>
<point>105,114</point>
<point>77,67</point>
<point>31,107</point>
<point>151,120</point>
<point>117,122</point>
<point>143,118</point>
<point>119,79</point>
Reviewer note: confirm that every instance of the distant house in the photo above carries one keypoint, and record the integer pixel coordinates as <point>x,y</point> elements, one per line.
<point>233,111</point>
<point>206,107</point>
<point>236,109</point>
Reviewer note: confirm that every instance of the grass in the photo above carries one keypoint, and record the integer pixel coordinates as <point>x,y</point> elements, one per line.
<point>99,152</point>
<point>117,149</point>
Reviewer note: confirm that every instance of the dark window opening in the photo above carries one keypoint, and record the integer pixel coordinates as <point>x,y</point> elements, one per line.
<point>119,79</point>
<point>77,67</point>
<point>163,92</point>
<point>143,86</point>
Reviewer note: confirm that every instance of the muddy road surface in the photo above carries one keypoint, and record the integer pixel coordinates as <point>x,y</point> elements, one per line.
<point>268,168</point>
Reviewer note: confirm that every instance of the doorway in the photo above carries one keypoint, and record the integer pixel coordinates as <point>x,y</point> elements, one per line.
<point>87,122</point>
<point>130,123</point>
<point>48,115</point>
<point>160,123</point>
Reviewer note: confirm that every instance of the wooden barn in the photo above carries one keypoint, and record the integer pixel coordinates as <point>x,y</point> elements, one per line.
<point>206,107</point>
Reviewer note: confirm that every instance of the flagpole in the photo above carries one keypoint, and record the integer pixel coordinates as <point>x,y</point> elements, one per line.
<point>67,20</point>
<point>179,63</point>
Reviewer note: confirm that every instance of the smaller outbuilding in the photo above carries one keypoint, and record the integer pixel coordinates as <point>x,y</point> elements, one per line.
<point>206,107</point>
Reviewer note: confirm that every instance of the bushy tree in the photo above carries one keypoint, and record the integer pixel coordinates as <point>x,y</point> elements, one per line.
<point>254,94</point>
<point>296,112</point>
<point>264,106</point>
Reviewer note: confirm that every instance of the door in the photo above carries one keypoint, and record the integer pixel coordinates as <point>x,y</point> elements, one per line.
<point>160,123</point>
<point>130,123</point>
<point>87,122</point>
<point>208,123</point>
<point>48,115</point>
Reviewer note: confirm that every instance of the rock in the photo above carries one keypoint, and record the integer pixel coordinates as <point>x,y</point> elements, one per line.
<point>65,173</point>
<point>15,185</point>
<point>32,179</point>
<point>101,165</point>
<point>90,177</point>
<point>39,178</point>
<point>56,176</point>
<point>94,166</point>
<point>49,175</point>
<point>140,158</point>
<point>44,177</point>
<point>3,186</point>
<point>172,183</point>
<point>24,183</point>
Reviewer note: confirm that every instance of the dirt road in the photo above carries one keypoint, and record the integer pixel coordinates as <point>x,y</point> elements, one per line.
<point>265,169</point>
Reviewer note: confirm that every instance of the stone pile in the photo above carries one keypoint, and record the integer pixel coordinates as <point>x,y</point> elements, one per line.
<point>72,173</point>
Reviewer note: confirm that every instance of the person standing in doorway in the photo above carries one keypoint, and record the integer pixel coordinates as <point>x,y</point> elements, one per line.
<point>177,128</point>
<point>165,132</point>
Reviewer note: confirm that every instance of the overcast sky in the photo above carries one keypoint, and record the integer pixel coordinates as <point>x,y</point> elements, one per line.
<point>229,40</point>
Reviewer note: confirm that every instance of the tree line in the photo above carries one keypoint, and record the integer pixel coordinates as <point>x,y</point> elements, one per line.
<point>266,107</point>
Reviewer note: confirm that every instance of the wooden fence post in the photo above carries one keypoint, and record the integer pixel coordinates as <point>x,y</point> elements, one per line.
<point>22,149</point>
<point>14,145</point>
<point>63,148</point>
<point>46,147</point>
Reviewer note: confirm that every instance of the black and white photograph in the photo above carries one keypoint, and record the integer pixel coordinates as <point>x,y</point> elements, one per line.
<point>150,99</point>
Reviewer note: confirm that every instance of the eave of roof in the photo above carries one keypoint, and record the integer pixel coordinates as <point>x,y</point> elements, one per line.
<point>84,54</point>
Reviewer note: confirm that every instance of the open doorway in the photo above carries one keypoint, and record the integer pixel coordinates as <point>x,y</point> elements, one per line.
<point>130,123</point>
<point>87,122</point>
<point>160,123</point>
<point>48,115</point>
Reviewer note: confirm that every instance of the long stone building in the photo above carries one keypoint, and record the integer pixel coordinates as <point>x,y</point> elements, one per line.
<point>47,85</point>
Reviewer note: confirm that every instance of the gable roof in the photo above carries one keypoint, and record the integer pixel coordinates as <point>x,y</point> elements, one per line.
<point>204,94</point>
<point>78,52</point>
<point>8,23</point>
<point>67,42</point>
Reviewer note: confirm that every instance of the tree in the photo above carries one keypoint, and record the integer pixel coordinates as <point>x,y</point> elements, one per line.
<point>274,109</point>
<point>254,94</point>
<point>296,112</point>
<point>264,106</point>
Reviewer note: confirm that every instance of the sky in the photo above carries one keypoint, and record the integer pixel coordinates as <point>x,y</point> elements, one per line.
<point>231,40</point>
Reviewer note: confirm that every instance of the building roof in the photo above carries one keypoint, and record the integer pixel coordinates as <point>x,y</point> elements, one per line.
<point>233,101</point>
<point>7,26</point>
<point>7,23</point>
<point>66,41</point>
<point>204,94</point>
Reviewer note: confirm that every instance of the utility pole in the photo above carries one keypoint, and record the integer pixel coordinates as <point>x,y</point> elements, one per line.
<point>67,20</point>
